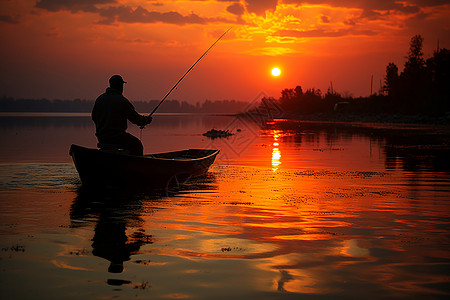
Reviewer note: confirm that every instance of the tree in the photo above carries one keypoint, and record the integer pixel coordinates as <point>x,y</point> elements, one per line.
<point>298,91</point>
<point>438,71</point>
<point>391,80</point>
<point>287,95</point>
<point>415,55</point>
<point>313,94</point>
<point>413,84</point>
<point>287,99</point>
<point>415,64</point>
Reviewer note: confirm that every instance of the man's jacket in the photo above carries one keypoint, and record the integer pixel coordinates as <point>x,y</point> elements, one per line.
<point>111,112</point>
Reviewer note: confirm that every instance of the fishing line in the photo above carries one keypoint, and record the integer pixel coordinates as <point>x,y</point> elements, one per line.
<point>184,75</point>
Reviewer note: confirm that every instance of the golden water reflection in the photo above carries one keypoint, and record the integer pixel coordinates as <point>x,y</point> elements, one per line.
<point>311,232</point>
<point>316,213</point>
<point>276,154</point>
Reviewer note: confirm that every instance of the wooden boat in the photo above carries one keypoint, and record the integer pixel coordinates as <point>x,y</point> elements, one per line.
<point>113,168</point>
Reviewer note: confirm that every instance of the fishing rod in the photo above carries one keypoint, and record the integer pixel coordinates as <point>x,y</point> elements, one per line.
<point>184,75</point>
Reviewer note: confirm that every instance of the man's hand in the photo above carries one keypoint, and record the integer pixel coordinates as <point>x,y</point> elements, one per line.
<point>148,120</point>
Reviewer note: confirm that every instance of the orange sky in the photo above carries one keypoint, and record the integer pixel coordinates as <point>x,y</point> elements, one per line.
<point>68,49</point>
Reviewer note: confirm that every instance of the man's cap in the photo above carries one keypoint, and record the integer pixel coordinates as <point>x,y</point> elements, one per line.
<point>116,80</point>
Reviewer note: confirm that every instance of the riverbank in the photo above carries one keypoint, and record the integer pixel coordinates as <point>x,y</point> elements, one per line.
<point>367,118</point>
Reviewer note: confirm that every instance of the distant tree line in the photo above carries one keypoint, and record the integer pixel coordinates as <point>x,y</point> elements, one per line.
<point>8,104</point>
<point>423,87</point>
<point>169,106</point>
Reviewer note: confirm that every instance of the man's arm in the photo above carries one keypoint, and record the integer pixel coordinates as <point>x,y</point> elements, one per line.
<point>135,117</point>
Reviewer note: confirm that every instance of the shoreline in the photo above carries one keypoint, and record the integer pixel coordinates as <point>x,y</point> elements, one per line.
<point>362,118</point>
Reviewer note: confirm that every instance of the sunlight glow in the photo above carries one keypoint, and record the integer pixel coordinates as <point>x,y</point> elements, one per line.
<point>276,72</point>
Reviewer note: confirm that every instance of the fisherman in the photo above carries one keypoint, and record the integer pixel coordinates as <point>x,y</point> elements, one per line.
<point>110,114</point>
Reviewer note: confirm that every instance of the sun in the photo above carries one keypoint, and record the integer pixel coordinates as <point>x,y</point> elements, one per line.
<point>276,72</point>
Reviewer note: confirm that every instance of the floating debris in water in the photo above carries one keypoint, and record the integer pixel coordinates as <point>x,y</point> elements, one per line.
<point>143,286</point>
<point>229,249</point>
<point>213,133</point>
<point>80,252</point>
<point>15,248</point>
<point>143,262</point>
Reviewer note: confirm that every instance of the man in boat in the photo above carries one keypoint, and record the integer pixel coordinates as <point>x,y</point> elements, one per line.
<point>110,114</point>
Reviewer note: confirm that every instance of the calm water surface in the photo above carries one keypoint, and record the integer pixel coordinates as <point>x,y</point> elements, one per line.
<point>289,210</point>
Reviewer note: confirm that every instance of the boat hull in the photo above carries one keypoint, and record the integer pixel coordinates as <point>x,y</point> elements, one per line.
<point>105,168</point>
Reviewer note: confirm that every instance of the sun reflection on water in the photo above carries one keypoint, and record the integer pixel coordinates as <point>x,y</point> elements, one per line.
<point>276,154</point>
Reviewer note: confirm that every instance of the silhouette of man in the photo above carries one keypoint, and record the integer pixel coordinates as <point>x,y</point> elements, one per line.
<point>110,114</point>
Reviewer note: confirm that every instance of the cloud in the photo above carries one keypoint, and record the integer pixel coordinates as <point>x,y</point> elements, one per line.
<point>8,19</point>
<point>372,15</point>
<point>409,9</point>
<point>374,4</point>
<point>428,3</point>
<point>318,33</point>
<point>127,14</point>
<point>271,51</point>
<point>325,19</point>
<point>363,11</point>
<point>52,32</point>
<point>73,6</point>
<point>122,13</point>
<point>236,9</point>
<point>259,7</point>
<point>350,21</point>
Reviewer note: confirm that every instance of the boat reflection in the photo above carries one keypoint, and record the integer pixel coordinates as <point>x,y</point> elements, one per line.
<point>119,217</point>
<point>118,224</point>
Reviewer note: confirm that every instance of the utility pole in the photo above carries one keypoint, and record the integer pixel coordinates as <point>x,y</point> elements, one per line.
<point>371,85</point>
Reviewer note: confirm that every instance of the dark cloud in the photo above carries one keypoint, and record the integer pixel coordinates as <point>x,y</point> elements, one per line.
<point>351,21</point>
<point>259,7</point>
<point>52,32</point>
<point>8,19</point>
<point>373,9</point>
<point>317,33</point>
<point>127,14</point>
<point>236,9</point>
<point>372,15</point>
<point>325,19</point>
<point>426,3</point>
<point>420,17</point>
<point>408,9</point>
<point>371,5</point>
<point>122,13</point>
<point>72,5</point>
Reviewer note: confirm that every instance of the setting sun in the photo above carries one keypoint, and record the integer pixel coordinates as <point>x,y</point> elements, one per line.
<point>276,71</point>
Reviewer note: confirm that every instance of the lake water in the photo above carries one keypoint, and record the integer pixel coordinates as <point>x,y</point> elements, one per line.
<point>290,210</point>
